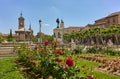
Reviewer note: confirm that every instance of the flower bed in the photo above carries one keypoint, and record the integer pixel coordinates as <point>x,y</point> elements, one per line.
<point>42,62</point>
<point>108,64</point>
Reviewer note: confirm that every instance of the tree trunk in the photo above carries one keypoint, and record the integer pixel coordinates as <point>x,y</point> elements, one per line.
<point>116,39</point>
<point>101,37</point>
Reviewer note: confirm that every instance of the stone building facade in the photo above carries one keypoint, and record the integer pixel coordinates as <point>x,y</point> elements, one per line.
<point>23,34</point>
<point>61,30</point>
<point>112,19</point>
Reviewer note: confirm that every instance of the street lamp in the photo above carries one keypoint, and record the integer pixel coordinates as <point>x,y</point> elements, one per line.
<point>40,25</point>
<point>40,30</point>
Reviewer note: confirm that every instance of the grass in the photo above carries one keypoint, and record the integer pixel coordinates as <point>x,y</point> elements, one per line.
<point>8,69</point>
<point>89,67</point>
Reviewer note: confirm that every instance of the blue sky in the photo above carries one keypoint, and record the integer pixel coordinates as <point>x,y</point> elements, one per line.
<point>73,13</point>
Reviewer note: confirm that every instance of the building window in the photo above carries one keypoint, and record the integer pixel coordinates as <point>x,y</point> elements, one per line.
<point>59,35</point>
<point>113,20</point>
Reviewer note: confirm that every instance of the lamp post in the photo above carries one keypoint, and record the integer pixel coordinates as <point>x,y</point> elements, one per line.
<point>40,30</point>
<point>40,26</point>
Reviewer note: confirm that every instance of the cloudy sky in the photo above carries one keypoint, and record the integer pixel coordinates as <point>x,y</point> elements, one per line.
<point>73,13</point>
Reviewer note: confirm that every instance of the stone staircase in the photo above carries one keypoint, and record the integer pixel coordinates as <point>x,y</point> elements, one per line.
<point>6,49</point>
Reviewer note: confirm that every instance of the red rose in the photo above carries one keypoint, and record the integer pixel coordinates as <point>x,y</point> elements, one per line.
<point>36,47</point>
<point>46,42</point>
<point>69,61</point>
<point>33,63</point>
<point>59,60</point>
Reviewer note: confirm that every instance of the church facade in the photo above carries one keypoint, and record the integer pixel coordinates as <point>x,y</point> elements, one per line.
<point>23,34</point>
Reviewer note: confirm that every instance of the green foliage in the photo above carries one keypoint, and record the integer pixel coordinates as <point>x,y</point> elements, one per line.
<point>35,39</point>
<point>93,49</point>
<point>94,34</point>
<point>112,52</point>
<point>10,37</point>
<point>78,50</point>
<point>48,37</point>
<point>22,53</point>
<point>1,38</point>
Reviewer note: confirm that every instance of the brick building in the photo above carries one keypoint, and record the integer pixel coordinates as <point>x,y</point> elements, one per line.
<point>112,19</point>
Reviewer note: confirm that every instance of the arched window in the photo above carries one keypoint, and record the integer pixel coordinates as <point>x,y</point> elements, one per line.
<point>59,35</point>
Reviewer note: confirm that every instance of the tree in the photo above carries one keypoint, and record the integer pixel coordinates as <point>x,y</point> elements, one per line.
<point>1,38</point>
<point>10,37</point>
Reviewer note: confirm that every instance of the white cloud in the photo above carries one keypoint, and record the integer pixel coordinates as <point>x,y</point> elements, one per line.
<point>46,25</point>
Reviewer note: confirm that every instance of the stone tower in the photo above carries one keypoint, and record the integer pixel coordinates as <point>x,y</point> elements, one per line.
<point>21,22</point>
<point>23,34</point>
<point>62,24</point>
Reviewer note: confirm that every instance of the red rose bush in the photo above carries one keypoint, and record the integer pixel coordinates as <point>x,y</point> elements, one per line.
<point>45,62</point>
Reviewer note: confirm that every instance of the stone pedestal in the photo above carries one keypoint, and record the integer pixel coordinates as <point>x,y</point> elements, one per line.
<point>73,45</point>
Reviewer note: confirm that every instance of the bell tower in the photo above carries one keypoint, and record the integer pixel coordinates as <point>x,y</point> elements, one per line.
<point>21,21</point>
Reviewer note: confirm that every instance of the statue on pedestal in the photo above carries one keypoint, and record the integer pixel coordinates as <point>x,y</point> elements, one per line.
<point>58,21</point>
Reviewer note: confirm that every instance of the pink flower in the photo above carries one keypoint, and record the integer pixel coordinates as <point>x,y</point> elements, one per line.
<point>64,66</point>
<point>91,76</point>
<point>46,42</point>
<point>69,61</point>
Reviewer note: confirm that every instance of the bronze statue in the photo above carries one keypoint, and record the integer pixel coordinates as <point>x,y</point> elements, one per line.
<point>58,21</point>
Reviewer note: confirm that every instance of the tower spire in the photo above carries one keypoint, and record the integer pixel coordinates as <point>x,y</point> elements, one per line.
<point>21,14</point>
<point>30,26</point>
